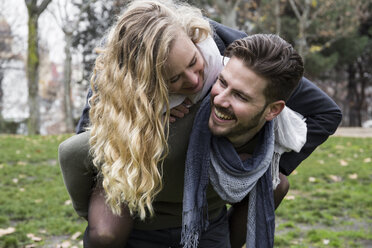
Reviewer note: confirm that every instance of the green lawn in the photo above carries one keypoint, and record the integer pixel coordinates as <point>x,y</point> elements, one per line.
<point>329,203</point>
<point>330,198</point>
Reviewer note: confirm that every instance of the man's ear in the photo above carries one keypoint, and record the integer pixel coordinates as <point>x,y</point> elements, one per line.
<point>274,109</point>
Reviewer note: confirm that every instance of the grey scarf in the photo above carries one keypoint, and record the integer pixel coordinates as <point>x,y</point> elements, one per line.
<point>204,148</point>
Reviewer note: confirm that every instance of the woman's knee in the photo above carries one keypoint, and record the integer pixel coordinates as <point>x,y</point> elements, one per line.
<point>101,237</point>
<point>284,184</point>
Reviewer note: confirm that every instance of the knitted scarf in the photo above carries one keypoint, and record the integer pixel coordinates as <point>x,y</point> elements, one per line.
<point>204,148</point>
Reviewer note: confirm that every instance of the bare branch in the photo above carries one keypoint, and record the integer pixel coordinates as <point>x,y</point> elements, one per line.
<point>43,6</point>
<point>295,9</point>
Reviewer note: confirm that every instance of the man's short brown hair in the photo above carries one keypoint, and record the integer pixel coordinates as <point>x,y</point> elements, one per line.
<point>273,58</point>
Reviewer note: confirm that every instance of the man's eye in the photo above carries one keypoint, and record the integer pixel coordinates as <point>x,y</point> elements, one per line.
<point>241,97</point>
<point>222,83</point>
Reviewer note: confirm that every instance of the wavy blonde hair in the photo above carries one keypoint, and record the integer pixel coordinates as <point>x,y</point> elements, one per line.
<point>130,92</point>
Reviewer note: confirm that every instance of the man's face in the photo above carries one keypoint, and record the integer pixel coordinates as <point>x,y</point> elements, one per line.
<point>238,103</point>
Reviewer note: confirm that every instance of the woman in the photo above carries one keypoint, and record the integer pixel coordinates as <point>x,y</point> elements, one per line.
<point>133,77</point>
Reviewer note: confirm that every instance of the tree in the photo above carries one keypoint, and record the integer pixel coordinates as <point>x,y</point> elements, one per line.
<point>95,23</point>
<point>311,25</point>
<point>34,11</point>
<point>228,11</point>
<point>68,20</point>
<point>7,56</point>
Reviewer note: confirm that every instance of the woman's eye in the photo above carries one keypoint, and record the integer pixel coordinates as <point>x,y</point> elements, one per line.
<point>193,62</point>
<point>174,79</point>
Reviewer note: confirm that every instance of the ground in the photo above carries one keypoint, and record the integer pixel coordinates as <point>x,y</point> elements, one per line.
<point>354,132</point>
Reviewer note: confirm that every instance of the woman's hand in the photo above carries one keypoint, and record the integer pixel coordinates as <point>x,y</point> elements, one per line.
<point>180,110</point>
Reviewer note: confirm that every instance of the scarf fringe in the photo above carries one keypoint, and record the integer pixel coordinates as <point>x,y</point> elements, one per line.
<point>251,220</point>
<point>275,169</point>
<point>190,236</point>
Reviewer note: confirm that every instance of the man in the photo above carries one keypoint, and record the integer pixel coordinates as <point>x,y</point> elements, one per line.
<point>168,200</point>
<point>250,92</point>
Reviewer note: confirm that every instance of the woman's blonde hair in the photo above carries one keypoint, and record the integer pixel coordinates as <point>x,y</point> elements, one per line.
<point>130,93</point>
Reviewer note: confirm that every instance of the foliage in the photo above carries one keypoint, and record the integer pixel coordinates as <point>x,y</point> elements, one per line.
<point>329,202</point>
<point>94,24</point>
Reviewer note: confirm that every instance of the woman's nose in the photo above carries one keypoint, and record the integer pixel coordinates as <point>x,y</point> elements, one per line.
<point>192,78</point>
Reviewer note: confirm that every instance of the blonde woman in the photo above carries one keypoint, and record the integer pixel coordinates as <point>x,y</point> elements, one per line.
<point>150,53</point>
<point>155,56</point>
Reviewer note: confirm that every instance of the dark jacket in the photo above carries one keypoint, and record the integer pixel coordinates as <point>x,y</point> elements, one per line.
<point>322,114</point>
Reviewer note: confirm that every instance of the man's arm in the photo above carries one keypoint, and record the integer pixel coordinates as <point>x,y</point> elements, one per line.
<point>84,118</point>
<point>322,118</point>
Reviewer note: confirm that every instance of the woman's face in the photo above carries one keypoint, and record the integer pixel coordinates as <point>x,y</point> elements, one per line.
<point>185,67</point>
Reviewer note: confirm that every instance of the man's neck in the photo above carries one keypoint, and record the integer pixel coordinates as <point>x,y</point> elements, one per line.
<point>242,139</point>
<point>246,150</point>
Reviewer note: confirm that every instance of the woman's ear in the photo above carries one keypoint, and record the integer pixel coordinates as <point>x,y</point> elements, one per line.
<point>274,109</point>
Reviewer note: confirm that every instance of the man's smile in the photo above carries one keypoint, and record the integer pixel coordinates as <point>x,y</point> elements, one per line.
<point>223,114</point>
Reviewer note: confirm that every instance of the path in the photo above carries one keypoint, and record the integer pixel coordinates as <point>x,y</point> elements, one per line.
<point>354,132</point>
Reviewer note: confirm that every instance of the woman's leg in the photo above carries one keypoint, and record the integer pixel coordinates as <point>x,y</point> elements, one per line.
<point>104,228</point>
<point>77,170</point>
<point>281,190</point>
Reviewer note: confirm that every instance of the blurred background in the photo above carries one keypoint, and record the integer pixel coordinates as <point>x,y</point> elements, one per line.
<point>47,52</point>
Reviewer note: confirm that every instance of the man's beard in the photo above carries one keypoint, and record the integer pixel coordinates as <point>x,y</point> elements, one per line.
<point>242,128</point>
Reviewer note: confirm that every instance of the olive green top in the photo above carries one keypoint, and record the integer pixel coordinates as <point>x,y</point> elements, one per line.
<point>78,176</point>
<point>168,203</point>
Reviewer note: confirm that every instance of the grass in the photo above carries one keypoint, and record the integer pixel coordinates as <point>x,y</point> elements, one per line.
<point>33,198</point>
<point>329,203</point>
<point>330,200</point>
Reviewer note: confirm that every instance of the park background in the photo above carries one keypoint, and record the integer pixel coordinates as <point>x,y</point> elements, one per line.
<point>46,57</point>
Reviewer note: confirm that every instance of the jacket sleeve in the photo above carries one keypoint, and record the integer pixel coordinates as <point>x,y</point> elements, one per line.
<point>224,35</point>
<point>84,118</point>
<point>322,118</point>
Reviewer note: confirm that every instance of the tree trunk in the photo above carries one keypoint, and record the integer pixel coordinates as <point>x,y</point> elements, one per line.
<point>33,75</point>
<point>1,99</point>
<point>67,84</point>
<point>228,18</point>
<point>1,92</point>
<point>228,12</point>
<point>34,11</point>
<point>277,17</point>
<point>303,22</point>
<point>363,80</point>
<point>352,96</point>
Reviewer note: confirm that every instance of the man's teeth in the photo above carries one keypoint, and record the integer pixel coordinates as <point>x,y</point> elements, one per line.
<point>222,116</point>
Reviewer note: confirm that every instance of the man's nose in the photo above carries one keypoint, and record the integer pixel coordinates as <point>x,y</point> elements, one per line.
<point>221,99</point>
